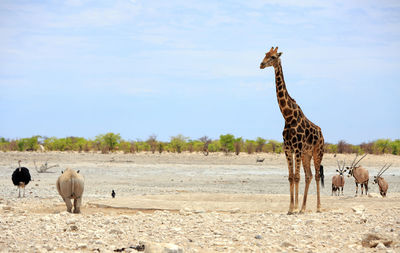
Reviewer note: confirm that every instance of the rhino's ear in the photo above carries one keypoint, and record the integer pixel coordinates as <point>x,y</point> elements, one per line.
<point>78,171</point>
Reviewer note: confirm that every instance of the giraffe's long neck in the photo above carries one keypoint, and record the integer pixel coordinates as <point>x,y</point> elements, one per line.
<point>287,105</point>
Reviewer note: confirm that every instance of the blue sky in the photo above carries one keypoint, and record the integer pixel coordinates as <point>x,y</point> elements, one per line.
<point>83,68</point>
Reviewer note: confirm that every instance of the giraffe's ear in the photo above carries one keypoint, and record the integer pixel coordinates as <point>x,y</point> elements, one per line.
<point>279,54</point>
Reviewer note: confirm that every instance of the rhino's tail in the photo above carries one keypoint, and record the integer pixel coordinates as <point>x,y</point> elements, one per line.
<point>72,187</point>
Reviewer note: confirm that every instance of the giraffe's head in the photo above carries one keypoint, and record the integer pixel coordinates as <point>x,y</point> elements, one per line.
<point>271,58</point>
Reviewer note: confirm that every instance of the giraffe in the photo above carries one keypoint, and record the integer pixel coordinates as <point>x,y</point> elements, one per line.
<point>301,137</point>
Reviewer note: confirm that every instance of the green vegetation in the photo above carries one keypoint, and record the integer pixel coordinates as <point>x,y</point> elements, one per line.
<point>111,142</point>
<point>227,142</point>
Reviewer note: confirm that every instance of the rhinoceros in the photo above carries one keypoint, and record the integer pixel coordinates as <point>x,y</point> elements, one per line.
<point>70,185</point>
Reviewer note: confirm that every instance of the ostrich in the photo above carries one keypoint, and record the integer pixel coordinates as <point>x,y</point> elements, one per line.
<point>21,178</point>
<point>113,194</point>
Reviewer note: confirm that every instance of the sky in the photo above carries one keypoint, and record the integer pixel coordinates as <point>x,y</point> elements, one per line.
<point>141,68</point>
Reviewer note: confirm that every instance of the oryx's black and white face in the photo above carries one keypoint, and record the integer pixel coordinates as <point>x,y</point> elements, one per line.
<point>350,171</point>
<point>341,172</point>
<point>375,180</point>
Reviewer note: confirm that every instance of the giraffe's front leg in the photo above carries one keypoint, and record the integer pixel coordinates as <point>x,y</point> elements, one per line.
<point>289,159</point>
<point>297,181</point>
<point>308,174</point>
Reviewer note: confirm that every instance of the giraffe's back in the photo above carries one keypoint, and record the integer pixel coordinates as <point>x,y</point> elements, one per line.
<point>303,136</point>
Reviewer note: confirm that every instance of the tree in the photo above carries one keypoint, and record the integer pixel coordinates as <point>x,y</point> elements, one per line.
<point>190,145</point>
<point>160,147</point>
<point>178,142</point>
<point>395,146</point>
<point>382,145</point>
<point>250,144</point>
<point>227,142</point>
<point>260,144</point>
<point>214,146</point>
<point>343,147</point>
<point>206,141</point>
<point>238,143</point>
<point>108,141</point>
<point>152,141</point>
<point>367,147</point>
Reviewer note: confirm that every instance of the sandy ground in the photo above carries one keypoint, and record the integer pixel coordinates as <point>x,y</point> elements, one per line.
<point>220,202</point>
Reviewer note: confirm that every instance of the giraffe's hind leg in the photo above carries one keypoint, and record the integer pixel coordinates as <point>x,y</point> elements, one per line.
<point>308,175</point>
<point>317,155</point>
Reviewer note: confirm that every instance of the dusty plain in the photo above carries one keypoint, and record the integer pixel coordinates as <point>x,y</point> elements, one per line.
<point>197,203</point>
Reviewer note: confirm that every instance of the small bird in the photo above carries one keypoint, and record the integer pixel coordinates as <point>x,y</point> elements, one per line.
<point>21,177</point>
<point>259,160</point>
<point>113,193</point>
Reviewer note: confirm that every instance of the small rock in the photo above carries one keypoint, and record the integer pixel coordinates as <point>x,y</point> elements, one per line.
<point>161,248</point>
<point>363,219</point>
<point>74,228</point>
<point>116,231</point>
<point>258,237</point>
<point>309,222</point>
<point>8,208</point>
<point>234,210</point>
<point>81,246</point>
<point>287,244</point>
<point>71,221</point>
<point>185,211</point>
<point>358,209</point>
<point>372,241</point>
<point>380,246</point>
<point>47,247</point>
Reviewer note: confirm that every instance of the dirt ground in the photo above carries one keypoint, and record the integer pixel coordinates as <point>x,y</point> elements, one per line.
<point>198,203</point>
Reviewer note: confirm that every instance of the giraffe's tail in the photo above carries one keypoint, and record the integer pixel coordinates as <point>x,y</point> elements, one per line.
<point>321,175</point>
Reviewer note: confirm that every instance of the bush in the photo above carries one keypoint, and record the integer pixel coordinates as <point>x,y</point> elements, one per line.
<point>178,143</point>
<point>238,143</point>
<point>260,144</point>
<point>227,142</point>
<point>108,141</point>
<point>250,146</point>
<point>152,141</point>
<point>214,146</point>
<point>395,147</point>
<point>344,147</point>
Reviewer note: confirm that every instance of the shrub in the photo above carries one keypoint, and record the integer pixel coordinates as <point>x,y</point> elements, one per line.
<point>152,141</point>
<point>260,144</point>
<point>238,143</point>
<point>214,146</point>
<point>250,146</point>
<point>108,141</point>
<point>178,143</point>
<point>227,142</point>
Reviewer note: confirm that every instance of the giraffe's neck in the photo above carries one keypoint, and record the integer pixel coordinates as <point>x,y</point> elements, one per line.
<point>287,105</point>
